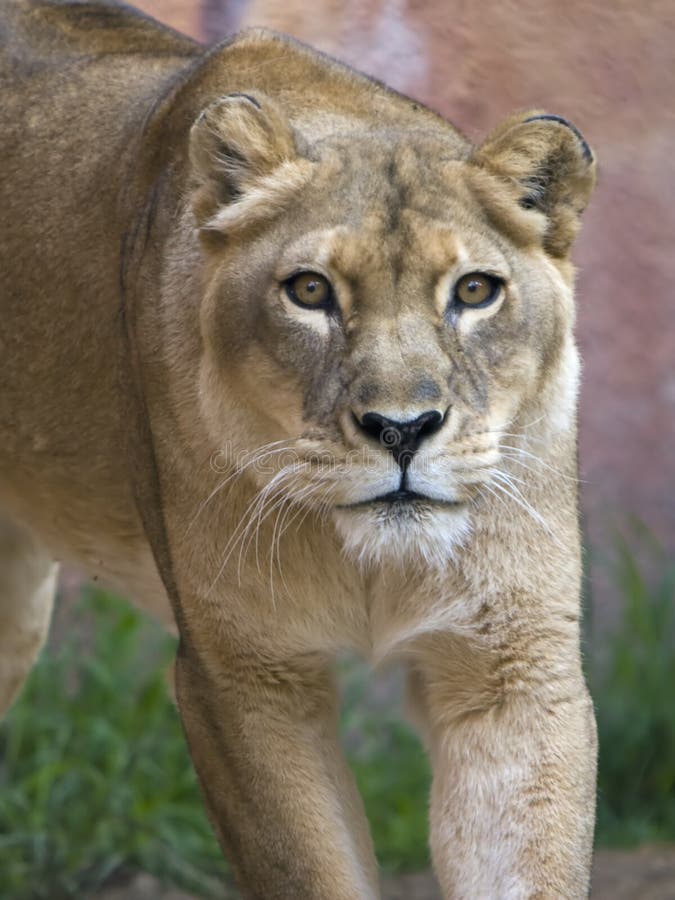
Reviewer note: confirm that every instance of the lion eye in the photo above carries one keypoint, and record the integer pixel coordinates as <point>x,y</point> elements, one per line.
<point>310,290</point>
<point>477,289</point>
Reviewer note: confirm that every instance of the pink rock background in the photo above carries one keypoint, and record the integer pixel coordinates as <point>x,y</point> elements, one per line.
<point>608,66</point>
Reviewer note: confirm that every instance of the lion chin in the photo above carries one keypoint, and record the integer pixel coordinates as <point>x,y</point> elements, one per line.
<point>408,534</point>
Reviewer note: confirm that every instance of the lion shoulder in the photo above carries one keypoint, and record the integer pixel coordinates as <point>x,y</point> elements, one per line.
<point>31,29</point>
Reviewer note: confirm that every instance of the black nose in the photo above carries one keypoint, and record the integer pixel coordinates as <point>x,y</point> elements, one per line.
<point>402,439</point>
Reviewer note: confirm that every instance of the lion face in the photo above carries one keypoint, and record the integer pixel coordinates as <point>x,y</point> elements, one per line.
<point>383,310</point>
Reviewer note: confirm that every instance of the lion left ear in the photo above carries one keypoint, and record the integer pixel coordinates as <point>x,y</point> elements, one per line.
<point>552,167</point>
<point>244,161</point>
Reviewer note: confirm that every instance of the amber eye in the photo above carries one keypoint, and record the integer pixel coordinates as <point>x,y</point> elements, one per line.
<point>477,289</point>
<point>309,289</point>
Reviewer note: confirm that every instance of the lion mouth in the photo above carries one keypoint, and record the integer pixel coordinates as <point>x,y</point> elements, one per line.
<point>400,496</point>
<point>402,499</point>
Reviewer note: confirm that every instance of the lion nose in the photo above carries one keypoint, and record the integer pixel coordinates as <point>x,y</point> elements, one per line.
<point>402,439</point>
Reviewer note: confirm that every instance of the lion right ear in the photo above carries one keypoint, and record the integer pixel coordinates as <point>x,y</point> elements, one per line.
<point>244,161</point>
<point>550,167</point>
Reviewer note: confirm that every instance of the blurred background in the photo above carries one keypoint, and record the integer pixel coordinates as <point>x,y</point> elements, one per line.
<point>95,786</point>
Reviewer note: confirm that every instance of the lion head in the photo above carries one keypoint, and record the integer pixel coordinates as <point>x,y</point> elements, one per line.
<point>382,306</point>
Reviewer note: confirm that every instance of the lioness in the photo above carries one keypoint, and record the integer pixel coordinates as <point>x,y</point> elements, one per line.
<point>283,348</point>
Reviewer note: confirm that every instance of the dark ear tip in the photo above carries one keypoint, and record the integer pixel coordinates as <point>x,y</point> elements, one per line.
<point>585,149</point>
<point>220,101</point>
<point>245,97</point>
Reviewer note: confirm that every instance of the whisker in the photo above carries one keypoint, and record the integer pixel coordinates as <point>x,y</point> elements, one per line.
<point>323,508</point>
<point>243,524</point>
<point>278,531</point>
<point>259,454</point>
<point>282,506</point>
<point>279,493</point>
<point>282,523</point>
<point>274,494</point>
<point>533,422</point>
<point>537,459</point>
<point>504,484</point>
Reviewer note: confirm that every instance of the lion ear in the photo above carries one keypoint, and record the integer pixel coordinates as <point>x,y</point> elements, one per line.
<point>244,160</point>
<point>551,166</point>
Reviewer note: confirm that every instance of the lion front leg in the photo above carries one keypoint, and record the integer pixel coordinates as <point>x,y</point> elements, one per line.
<point>512,740</point>
<point>27,587</point>
<point>263,738</point>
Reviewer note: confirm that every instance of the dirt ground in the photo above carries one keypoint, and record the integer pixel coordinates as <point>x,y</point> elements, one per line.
<point>644,874</point>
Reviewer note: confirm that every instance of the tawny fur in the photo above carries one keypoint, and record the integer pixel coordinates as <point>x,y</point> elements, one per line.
<point>172,421</point>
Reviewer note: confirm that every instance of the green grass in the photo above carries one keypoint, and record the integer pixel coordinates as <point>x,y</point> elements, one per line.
<point>391,771</point>
<point>634,690</point>
<point>94,774</point>
<point>95,779</point>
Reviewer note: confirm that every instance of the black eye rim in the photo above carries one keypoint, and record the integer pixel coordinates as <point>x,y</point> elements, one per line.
<point>327,305</point>
<point>497,286</point>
